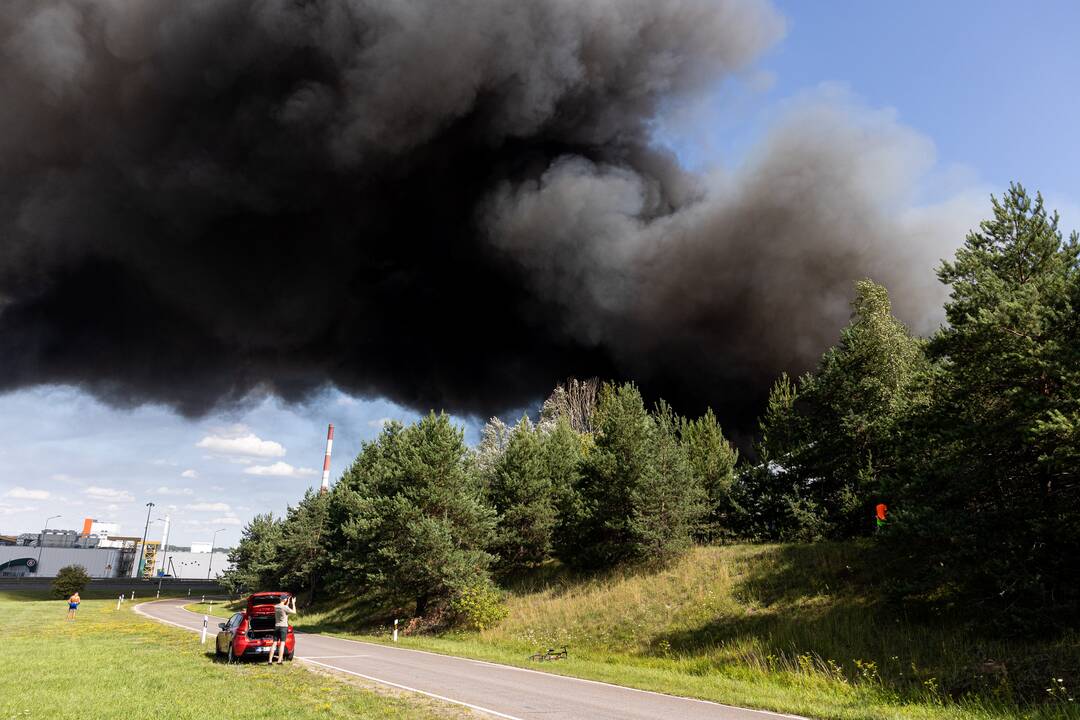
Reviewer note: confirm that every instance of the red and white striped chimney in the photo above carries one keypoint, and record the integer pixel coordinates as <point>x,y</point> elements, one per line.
<point>326,460</point>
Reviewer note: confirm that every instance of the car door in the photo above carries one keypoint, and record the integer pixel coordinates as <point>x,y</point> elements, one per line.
<point>228,629</point>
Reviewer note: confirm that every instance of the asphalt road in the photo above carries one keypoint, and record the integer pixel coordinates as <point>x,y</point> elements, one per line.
<point>498,690</point>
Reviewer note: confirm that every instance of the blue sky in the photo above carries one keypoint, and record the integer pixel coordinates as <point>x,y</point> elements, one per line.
<point>990,84</point>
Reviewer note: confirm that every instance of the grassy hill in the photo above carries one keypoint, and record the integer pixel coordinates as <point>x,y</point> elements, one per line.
<point>794,628</point>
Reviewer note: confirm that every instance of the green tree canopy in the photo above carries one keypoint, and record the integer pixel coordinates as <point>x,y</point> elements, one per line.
<point>712,459</point>
<point>413,522</point>
<point>830,446</point>
<point>522,493</point>
<point>996,502</point>
<point>302,543</point>
<point>638,499</point>
<point>69,580</point>
<point>255,561</point>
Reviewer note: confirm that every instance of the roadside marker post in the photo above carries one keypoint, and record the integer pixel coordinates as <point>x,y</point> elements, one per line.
<point>395,629</point>
<point>132,594</point>
<point>119,600</point>
<point>205,620</point>
<point>158,593</point>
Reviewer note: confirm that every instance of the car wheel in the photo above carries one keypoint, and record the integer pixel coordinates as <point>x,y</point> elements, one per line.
<point>288,656</point>
<point>232,656</point>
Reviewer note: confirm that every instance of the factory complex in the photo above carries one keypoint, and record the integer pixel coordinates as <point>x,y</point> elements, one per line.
<point>104,553</point>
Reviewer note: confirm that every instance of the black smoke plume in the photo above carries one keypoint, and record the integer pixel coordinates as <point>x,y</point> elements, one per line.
<point>450,203</point>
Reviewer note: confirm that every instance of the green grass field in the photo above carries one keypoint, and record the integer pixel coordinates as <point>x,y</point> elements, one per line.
<point>786,628</point>
<point>116,664</point>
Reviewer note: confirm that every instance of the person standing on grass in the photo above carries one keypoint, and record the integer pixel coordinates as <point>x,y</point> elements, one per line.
<point>282,611</point>
<point>73,605</point>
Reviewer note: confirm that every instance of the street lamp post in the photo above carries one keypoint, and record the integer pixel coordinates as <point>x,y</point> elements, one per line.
<point>164,549</point>
<point>41,541</point>
<point>164,542</point>
<point>212,541</point>
<point>142,557</point>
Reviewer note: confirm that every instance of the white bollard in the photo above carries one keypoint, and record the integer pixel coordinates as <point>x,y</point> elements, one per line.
<point>132,594</point>
<point>157,594</point>
<point>118,601</point>
<point>204,621</point>
<point>395,629</point>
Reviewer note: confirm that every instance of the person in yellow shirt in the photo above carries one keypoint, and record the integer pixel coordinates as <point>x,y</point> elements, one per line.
<point>73,605</point>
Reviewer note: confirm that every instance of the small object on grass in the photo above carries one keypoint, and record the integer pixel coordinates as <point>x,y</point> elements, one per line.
<point>550,655</point>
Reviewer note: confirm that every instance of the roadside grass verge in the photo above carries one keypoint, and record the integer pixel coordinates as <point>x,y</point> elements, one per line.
<point>116,664</point>
<point>790,628</point>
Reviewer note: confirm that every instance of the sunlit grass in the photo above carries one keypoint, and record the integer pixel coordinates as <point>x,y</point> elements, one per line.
<point>116,664</point>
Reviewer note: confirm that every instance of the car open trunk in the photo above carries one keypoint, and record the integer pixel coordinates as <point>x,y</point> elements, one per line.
<point>261,614</point>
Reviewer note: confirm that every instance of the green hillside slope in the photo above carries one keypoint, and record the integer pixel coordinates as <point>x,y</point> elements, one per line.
<point>794,628</point>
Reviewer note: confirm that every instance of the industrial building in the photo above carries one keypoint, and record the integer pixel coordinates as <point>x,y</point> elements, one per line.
<point>105,554</point>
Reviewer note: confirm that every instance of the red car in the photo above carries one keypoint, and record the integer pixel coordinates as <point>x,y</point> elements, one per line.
<point>251,633</point>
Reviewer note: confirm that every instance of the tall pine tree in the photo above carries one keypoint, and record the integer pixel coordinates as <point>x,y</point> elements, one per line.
<point>996,504</point>
<point>522,494</point>
<point>414,523</point>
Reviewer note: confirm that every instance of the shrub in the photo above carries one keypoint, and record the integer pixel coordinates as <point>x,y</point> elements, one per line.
<point>478,607</point>
<point>70,580</point>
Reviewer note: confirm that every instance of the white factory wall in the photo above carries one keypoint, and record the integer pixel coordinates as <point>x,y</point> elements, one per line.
<point>99,563</point>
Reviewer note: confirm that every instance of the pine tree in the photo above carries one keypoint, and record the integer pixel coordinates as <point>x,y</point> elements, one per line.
<point>302,545</point>
<point>638,499</point>
<point>255,562</point>
<point>712,459</point>
<point>830,447</point>
<point>996,506</point>
<point>413,521</point>
<point>669,500</point>
<point>522,494</point>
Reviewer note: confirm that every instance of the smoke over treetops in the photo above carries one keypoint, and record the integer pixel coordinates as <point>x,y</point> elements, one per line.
<point>447,203</point>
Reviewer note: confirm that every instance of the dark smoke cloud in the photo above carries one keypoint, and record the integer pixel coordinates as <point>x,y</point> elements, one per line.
<point>447,203</point>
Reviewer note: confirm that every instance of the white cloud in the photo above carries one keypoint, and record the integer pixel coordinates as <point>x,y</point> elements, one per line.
<point>248,444</point>
<point>6,509</point>
<point>381,422</point>
<point>279,469</point>
<point>227,520</point>
<point>208,507</point>
<point>102,493</point>
<point>61,477</point>
<point>189,474</point>
<point>25,494</point>
<point>166,490</point>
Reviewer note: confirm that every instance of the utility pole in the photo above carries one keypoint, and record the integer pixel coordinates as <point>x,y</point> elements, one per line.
<point>41,541</point>
<point>142,550</point>
<point>213,540</point>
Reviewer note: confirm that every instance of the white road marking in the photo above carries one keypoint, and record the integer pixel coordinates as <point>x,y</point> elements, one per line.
<point>478,708</point>
<point>327,657</point>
